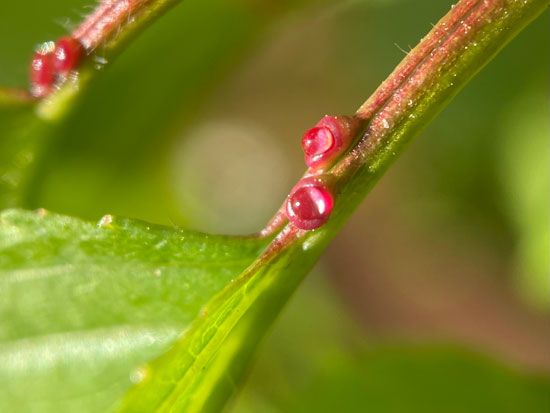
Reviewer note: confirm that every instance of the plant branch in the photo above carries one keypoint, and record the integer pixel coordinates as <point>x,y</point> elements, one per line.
<point>431,74</point>
<point>114,21</point>
<point>457,47</point>
<point>104,33</point>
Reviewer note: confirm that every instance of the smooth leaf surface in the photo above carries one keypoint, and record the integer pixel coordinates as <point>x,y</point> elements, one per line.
<point>83,305</point>
<point>201,370</point>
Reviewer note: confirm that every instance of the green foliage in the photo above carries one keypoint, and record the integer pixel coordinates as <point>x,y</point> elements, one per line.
<point>78,132</point>
<point>84,305</point>
<point>18,136</point>
<point>429,379</point>
<point>335,368</point>
<point>88,311</point>
<point>525,166</point>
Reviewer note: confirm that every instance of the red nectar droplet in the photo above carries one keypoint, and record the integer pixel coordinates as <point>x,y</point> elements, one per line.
<point>317,141</point>
<point>324,142</point>
<point>42,72</point>
<point>68,53</point>
<point>309,205</point>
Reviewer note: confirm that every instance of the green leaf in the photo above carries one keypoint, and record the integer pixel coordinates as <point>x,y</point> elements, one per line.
<point>420,379</point>
<point>318,359</point>
<point>201,369</point>
<point>525,167</point>
<point>200,372</point>
<point>83,305</point>
<point>19,132</point>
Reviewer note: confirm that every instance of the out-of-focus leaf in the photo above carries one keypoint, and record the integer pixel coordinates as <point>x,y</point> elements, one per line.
<point>201,369</point>
<point>319,360</point>
<point>107,144</point>
<point>82,305</point>
<point>113,147</point>
<point>423,380</point>
<point>19,131</point>
<point>525,169</point>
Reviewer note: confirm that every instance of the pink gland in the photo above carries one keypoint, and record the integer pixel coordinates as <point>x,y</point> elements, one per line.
<point>324,142</point>
<point>68,52</point>
<point>42,72</point>
<point>309,205</point>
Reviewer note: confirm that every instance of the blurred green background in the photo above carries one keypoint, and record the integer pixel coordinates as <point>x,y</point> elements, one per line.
<point>197,124</point>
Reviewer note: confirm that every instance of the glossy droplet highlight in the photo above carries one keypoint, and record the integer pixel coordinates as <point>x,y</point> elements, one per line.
<point>68,53</point>
<point>309,205</point>
<point>42,71</point>
<point>317,141</point>
<point>326,141</point>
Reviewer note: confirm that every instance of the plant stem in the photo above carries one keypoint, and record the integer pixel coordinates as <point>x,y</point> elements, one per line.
<point>457,47</point>
<point>113,21</point>
<point>108,29</point>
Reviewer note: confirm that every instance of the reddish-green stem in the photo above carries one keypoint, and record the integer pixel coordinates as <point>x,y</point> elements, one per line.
<point>458,46</point>
<point>114,20</point>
